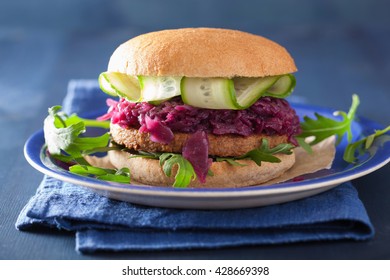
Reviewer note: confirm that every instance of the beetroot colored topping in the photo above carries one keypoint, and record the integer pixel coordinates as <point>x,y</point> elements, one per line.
<point>271,116</point>
<point>196,151</point>
<point>111,103</point>
<point>158,132</point>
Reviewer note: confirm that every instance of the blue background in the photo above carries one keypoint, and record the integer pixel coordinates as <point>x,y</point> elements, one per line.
<point>340,48</point>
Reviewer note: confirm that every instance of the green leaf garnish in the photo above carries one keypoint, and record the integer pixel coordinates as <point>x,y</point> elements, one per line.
<point>302,143</point>
<point>65,142</point>
<point>284,148</point>
<point>231,161</point>
<point>262,153</point>
<point>120,176</point>
<point>185,172</point>
<point>265,153</point>
<point>63,136</point>
<point>87,122</point>
<point>144,154</point>
<point>323,127</point>
<point>362,145</point>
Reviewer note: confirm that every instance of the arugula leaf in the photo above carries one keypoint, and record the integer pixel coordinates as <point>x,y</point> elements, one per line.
<point>231,161</point>
<point>302,143</point>
<point>87,122</point>
<point>144,154</point>
<point>323,127</point>
<point>361,145</point>
<point>258,156</point>
<point>284,148</point>
<point>185,172</point>
<point>63,136</point>
<point>121,175</point>
<point>262,153</point>
<point>265,153</point>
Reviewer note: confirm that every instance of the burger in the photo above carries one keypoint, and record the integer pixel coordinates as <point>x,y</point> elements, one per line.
<point>201,101</point>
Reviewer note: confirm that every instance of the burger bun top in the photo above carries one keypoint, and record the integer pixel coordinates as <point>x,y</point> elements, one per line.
<point>201,52</point>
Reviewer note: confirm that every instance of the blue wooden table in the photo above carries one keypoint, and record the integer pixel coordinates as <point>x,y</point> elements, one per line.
<point>339,48</point>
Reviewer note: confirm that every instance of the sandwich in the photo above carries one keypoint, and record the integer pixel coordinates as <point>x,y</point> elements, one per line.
<point>201,107</point>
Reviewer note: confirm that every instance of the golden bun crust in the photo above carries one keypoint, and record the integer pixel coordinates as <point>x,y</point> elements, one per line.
<point>201,52</point>
<point>233,145</point>
<point>149,171</point>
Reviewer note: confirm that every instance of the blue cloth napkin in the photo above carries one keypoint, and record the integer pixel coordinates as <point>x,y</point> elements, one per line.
<point>101,223</point>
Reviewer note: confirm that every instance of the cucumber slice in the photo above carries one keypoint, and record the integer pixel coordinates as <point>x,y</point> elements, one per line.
<point>283,87</point>
<point>249,90</point>
<point>106,86</point>
<point>220,93</point>
<point>212,93</point>
<point>209,93</point>
<point>119,84</point>
<point>159,88</point>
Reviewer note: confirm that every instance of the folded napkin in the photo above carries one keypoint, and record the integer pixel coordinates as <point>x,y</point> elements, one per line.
<point>101,223</point>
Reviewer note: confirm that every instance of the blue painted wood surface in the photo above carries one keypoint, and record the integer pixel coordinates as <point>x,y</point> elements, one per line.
<point>340,47</point>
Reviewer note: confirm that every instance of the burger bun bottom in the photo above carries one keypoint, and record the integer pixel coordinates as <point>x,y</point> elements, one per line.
<point>149,172</point>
